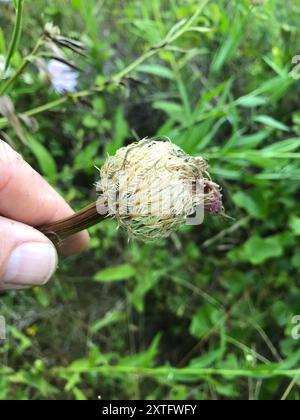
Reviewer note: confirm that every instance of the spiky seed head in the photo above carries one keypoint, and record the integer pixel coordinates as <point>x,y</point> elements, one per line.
<point>152,187</point>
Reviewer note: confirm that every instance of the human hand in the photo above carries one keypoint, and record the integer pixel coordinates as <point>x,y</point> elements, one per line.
<point>27,257</point>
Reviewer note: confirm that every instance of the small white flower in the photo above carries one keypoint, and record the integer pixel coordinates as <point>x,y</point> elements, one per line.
<point>5,1</point>
<point>63,78</point>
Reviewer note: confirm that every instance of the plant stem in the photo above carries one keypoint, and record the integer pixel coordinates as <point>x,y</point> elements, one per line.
<point>258,372</point>
<point>55,104</point>
<point>58,102</point>
<point>16,34</point>
<point>20,70</point>
<point>85,218</point>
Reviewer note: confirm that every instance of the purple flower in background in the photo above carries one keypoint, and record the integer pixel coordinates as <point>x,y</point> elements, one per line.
<point>63,78</point>
<point>5,1</point>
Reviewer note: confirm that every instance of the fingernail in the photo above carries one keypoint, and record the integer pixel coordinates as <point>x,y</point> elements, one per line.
<point>31,264</point>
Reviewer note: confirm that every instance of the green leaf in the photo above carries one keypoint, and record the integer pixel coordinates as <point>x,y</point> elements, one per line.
<point>120,133</point>
<point>229,46</point>
<point>207,359</point>
<point>143,359</point>
<point>252,140</point>
<point>258,250</point>
<point>144,284</point>
<point>172,108</point>
<point>294,224</point>
<point>284,146</point>
<point>156,70</point>
<point>84,160</point>
<point>250,101</point>
<point>23,341</point>
<point>44,158</point>
<point>79,395</point>
<point>254,206</point>
<point>206,319</point>
<point>121,272</point>
<point>271,122</point>
<point>110,318</point>
<point>148,29</point>
<point>90,121</point>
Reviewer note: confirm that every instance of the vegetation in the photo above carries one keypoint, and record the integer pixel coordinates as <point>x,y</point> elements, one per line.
<point>206,314</point>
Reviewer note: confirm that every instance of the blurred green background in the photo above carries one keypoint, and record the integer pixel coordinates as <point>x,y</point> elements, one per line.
<point>206,314</point>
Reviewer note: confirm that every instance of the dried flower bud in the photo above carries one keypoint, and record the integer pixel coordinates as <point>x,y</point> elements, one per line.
<point>53,34</point>
<point>153,186</point>
<point>51,30</point>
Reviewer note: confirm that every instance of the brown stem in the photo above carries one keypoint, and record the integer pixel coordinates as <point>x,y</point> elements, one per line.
<point>85,218</point>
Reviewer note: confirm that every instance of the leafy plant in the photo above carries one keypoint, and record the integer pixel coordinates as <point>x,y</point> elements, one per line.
<point>208,313</point>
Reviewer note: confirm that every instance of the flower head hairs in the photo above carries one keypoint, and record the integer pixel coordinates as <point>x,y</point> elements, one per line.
<point>150,187</point>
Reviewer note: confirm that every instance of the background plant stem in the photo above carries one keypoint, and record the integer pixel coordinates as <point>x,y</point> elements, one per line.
<point>191,372</point>
<point>9,83</point>
<point>16,33</point>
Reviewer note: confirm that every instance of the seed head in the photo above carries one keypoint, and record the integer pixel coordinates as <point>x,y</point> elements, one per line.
<point>152,187</point>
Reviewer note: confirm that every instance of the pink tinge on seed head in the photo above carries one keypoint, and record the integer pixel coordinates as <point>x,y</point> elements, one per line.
<point>213,203</point>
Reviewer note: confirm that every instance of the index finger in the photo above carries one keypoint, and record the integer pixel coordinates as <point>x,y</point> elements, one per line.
<point>26,197</point>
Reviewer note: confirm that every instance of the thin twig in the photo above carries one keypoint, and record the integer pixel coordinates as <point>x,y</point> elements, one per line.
<point>227,231</point>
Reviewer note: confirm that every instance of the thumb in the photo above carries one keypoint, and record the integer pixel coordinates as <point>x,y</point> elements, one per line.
<point>27,257</point>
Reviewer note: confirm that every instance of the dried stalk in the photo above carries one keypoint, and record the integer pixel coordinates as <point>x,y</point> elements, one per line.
<point>85,218</point>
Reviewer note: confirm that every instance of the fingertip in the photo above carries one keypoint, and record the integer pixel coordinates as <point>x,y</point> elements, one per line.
<point>27,257</point>
<point>27,198</point>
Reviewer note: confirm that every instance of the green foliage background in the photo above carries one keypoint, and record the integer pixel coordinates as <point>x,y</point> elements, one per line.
<point>207,313</point>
